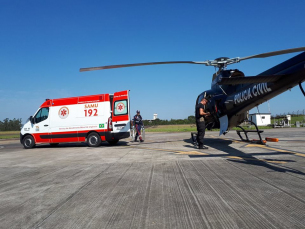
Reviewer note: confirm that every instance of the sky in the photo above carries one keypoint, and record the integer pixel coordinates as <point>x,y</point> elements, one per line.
<point>43,44</point>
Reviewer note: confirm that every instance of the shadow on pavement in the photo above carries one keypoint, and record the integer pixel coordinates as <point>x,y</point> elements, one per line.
<point>244,158</point>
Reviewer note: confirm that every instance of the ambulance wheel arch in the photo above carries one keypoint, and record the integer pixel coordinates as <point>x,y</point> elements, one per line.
<point>94,139</point>
<point>28,141</point>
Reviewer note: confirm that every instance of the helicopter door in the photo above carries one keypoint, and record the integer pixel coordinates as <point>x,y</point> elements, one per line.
<point>224,123</point>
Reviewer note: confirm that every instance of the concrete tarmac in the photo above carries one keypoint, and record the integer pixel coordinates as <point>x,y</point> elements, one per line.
<point>162,183</point>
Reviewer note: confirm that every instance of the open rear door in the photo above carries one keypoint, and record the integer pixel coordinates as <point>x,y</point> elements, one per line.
<point>121,112</point>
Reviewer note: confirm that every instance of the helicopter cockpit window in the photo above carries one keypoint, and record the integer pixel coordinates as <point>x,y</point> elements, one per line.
<point>200,98</point>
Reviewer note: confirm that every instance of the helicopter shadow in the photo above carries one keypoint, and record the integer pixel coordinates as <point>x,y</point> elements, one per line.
<point>223,145</point>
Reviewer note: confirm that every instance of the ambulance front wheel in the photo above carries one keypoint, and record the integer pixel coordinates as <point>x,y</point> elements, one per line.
<point>94,140</point>
<point>28,142</point>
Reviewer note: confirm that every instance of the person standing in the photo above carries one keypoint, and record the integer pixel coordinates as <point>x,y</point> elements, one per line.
<point>137,121</point>
<point>200,122</point>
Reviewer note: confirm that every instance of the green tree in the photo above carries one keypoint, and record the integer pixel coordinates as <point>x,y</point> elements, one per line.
<point>10,125</point>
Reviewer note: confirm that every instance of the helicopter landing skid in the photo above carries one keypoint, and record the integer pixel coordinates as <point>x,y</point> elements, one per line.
<point>260,141</point>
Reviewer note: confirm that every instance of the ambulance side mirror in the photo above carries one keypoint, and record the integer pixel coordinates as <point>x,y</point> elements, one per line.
<point>32,119</point>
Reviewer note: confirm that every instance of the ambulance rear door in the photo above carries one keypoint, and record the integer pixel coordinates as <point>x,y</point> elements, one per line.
<point>121,112</point>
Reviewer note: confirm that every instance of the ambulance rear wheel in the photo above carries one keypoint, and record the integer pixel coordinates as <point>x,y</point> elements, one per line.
<point>113,142</point>
<point>28,142</point>
<point>94,140</point>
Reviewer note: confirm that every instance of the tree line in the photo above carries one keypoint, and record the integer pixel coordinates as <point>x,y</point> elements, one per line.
<point>189,120</point>
<point>293,114</point>
<point>10,124</point>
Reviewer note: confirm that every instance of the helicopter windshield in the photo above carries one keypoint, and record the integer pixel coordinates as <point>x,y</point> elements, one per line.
<point>206,94</point>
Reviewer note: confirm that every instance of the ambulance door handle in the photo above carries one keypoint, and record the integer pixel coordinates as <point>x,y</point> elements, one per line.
<point>46,125</point>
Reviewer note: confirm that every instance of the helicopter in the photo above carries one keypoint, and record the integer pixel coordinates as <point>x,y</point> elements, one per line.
<point>232,94</point>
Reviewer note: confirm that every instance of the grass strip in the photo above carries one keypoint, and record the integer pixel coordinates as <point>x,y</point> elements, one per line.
<point>9,134</point>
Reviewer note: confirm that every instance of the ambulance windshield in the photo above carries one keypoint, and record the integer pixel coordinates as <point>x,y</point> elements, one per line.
<point>42,115</point>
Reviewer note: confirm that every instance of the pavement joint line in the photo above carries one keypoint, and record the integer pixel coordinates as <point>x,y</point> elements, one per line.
<point>276,149</point>
<point>256,159</point>
<point>178,152</point>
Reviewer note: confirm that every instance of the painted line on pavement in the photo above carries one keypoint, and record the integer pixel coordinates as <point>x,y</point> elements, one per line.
<point>256,159</point>
<point>276,149</point>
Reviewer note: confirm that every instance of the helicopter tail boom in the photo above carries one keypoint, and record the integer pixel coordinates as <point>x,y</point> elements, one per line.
<point>249,80</point>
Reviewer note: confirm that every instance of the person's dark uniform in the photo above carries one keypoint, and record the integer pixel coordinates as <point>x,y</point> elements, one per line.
<point>137,119</point>
<point>200,123</point>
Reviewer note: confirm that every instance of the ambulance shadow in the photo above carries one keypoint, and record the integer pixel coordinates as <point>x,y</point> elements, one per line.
<point>62,145</point>
<point>223,145</point>
<point>120,143</point>
<point>80,144</point>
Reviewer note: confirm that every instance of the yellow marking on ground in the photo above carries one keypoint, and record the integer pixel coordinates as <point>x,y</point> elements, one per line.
<point>191,153</point>
<point>276,149</point>
<point>211,136</point>
<point>255,159</point>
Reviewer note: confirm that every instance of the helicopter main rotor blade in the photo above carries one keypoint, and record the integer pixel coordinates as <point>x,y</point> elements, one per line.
<point>139,64</point>
<point>220,62</point>
<point>275,53</point>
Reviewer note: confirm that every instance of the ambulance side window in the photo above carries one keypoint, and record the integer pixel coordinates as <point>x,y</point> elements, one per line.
<point>120,107</point>
<point>42,115</point>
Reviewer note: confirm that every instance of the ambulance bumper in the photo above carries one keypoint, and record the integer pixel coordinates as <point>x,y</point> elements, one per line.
<point>115,136</point>
<point>21,138</point>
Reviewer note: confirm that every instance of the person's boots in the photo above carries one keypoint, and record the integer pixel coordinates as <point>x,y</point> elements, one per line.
<point>141,139</point>
<point>202,147</point>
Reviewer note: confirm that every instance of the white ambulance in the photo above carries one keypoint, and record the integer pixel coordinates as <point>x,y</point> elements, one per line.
<point>91,119</point>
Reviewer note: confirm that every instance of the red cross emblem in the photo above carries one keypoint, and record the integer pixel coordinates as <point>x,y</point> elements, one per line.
<point>120,107</point>
<point>63,112</point>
